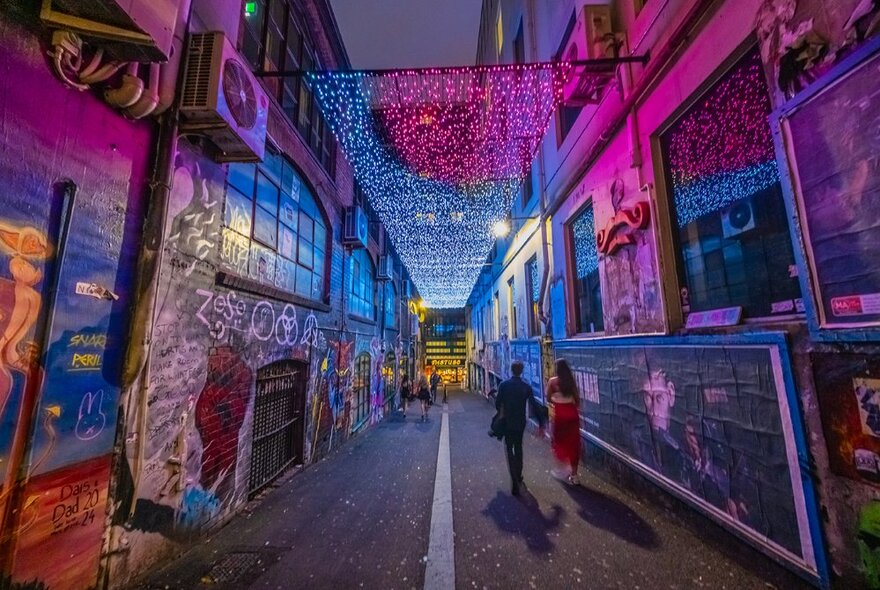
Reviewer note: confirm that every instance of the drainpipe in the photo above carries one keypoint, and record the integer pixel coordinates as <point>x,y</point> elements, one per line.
<point>135,369</point>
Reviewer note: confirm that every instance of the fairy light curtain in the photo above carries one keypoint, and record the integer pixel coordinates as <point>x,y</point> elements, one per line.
<point>441,154</point>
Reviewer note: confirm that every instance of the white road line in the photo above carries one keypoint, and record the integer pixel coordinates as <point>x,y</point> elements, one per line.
<point>440,570</point>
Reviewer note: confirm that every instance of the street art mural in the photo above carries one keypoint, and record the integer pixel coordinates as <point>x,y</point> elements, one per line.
<point>59,349</point>
<point>711,422</point>
<point>631,297</point>
<point>213,337</point>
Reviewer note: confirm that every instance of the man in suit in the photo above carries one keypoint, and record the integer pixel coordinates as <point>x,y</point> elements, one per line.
<point>513,395</point>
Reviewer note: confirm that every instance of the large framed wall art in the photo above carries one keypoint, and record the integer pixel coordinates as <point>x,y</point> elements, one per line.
<point>829,136</point>
<point>716,422</point>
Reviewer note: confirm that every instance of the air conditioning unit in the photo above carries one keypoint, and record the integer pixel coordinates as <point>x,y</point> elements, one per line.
<point>406,289</point>
<point>127,30</point>
<point>386,268</point>
<point>738,218</point>
<point>355,232</point>
<point>222,99</point>
<point>591,38</point>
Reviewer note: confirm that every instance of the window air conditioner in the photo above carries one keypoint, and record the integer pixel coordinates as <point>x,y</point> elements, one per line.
<point>355,233</point>
<point>222,99</point>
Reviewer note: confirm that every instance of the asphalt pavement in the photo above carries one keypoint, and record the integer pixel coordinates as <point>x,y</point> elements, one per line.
<point>361,518</point>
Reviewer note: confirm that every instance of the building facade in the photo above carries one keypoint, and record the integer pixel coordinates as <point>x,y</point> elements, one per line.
<point>693,240</point>
<point>181,324</point>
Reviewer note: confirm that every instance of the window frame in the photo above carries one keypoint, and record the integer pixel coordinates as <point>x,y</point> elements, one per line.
<point>669,244</point>
<point>534,327</point>
<point>512,330</point>
<point>571,258</point>
<point>315,132</point>
<point>261,170</point>
<point>362,292</point>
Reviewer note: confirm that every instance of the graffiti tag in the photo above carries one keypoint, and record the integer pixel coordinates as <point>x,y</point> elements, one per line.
<point>91,419</point>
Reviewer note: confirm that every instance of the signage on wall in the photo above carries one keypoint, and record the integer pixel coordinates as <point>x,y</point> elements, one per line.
<point>714,318</point>
<point>618,232</point>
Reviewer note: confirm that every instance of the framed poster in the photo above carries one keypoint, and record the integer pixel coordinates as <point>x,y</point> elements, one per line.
<point>830,137</point>
<point>714,421</point>
<point>848,389</point>
<point>529,352</point>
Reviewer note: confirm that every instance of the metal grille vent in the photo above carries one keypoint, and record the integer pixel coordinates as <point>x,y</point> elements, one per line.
<point>196,87</point>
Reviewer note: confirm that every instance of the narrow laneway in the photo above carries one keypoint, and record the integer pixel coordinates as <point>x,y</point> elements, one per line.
<point>362,519</point>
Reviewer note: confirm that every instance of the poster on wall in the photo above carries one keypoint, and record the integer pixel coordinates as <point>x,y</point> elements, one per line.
<point>709,422</point>
<point>529,352</point>
<point>848,389</point>
<point>839,201</point>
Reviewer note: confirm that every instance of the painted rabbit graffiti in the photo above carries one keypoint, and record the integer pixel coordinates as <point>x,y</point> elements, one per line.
<point>91,419</point>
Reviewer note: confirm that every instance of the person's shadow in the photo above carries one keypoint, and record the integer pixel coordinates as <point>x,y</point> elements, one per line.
<point>612,515</point>
<point>523,517</point>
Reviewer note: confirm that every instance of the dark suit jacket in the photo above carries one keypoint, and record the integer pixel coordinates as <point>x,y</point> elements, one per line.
<point>513,395</point>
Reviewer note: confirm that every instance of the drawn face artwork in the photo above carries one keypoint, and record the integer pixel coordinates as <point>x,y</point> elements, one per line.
<point>659,396</point>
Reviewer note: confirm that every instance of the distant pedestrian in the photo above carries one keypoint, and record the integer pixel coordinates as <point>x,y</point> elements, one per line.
<point>435,380</point>
<point>405,393</point>
<point>513,395</point>
<point>424,397</point>
<point>565,422</point>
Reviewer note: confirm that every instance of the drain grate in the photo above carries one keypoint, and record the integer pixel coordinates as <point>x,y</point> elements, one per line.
<point>232,567</point>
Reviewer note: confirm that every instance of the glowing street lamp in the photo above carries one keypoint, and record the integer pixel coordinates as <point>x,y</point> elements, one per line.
<point>500,229</point>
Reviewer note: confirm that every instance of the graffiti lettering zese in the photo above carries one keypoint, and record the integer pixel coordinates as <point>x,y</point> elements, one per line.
<point>265,322</point>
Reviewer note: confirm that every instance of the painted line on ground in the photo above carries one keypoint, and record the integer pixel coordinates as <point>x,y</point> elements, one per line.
<point>440,569</point>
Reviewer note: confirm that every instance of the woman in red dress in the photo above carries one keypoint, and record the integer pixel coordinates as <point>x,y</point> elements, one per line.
<point>562,394</point>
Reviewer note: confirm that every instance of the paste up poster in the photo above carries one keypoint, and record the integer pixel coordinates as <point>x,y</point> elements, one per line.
<point>848,389</point>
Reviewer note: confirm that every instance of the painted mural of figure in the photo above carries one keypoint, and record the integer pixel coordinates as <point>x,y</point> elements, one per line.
<point>26,244</point>
<point>657,443</point>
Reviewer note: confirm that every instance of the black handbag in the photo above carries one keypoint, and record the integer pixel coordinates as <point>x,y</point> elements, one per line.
<point>498,425</point>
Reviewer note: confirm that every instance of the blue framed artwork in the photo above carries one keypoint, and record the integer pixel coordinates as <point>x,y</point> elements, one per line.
<point>716,422</point>
<point>828,138</point>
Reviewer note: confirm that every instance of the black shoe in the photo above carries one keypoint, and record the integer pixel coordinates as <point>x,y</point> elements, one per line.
<point>515,490</point>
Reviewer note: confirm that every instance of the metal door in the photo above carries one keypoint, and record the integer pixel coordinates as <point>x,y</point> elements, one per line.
<point>279,414</point>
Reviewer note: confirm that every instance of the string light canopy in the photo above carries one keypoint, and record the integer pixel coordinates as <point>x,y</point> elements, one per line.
<point>441,153</point>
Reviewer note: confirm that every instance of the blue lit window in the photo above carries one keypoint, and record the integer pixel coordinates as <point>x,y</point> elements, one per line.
<point>588,295</point>
<point>733,238</point>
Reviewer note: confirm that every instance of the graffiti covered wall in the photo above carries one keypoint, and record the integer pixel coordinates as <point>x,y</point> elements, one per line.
<point>230,353</point>
<point>59,354</point>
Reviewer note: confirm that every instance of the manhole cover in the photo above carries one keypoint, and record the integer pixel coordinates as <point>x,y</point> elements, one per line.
<point>232,567</point>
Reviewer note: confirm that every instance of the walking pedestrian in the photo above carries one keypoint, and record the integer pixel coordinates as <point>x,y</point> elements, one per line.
<point>513,395</point>
<point>565,422</point>
<point>405,393</point>
<point>424,397</point>
<point>435,380</point>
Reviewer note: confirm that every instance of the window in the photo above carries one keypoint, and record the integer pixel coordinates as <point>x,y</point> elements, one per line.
<point>519,46</point>
<point>588,296</point>
<point>499,32</point>
<point>273,38</point>
<point>565,116</point>
<point>390,309</point>
<point>274,231</point>
<point>362,281</point>
<point>496,308</point>
<point>361,388</point>
<point>533,289</point>
<point>730,224</point>
<point>527,189</point>
<point>511,304</point>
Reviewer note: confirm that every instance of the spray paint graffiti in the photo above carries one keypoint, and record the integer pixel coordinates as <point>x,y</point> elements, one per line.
<point>18,316</point>
<point>194,230</point>
<point>91,420</point>
<point>220,413</point>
